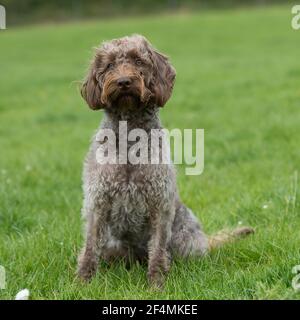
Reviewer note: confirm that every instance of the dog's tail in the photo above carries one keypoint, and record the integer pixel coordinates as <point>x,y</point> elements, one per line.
<point>223,237</point>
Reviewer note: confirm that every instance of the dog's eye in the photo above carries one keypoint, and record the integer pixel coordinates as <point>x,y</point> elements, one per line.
<point>138,62</point>
<point>109,66</point>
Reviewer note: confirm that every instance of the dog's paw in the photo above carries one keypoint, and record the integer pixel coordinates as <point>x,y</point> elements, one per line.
<point>156,280</point>
<point>85,272</point>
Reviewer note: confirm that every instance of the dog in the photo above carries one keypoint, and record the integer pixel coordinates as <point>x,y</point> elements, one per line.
<point>133,211</point>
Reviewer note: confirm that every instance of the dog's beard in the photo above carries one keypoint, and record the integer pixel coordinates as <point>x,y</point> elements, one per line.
<point>120,99</point>
<point>127,100</point>
<point>135,97</point>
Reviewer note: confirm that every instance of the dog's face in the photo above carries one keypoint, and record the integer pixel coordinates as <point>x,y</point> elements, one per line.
<point>128,72</point>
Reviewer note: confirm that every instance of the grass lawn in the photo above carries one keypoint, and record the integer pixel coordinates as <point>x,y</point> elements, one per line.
<point>238,78</point>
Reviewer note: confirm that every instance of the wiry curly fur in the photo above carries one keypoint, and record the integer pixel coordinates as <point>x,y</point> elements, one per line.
<point>134,211</point>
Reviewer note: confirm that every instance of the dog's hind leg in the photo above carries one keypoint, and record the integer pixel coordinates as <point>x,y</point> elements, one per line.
<point>188,238</point>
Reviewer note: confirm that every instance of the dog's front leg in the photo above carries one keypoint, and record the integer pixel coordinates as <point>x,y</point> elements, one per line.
<point>95,240</point>
<point>159,254</point>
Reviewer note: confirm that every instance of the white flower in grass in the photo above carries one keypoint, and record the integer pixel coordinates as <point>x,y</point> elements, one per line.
<point>265,206</point>
<point>23,295</point>
<point>240,223</point>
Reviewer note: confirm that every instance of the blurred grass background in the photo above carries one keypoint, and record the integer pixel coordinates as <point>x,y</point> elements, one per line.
<point>238,78</point>
<point>32,11</point>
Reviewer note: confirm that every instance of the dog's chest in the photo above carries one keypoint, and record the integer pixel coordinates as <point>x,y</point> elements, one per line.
<point>129,213</point>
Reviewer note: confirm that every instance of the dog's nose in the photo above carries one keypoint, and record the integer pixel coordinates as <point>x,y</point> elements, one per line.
<point>124,82</point>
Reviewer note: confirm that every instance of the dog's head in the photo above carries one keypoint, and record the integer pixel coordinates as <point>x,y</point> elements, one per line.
<point>128,72</point>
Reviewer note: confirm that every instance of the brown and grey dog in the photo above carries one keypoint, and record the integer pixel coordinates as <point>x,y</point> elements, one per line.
<point>133,211</point>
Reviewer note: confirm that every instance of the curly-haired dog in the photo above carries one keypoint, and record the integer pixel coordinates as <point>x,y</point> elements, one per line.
<point>133,210</point>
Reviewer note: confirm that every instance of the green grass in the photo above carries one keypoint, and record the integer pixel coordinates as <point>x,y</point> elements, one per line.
<point>238,78</point>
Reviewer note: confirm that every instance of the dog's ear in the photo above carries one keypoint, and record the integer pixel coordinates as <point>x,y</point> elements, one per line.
<point>163,77</point>
<point>91,89</point>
